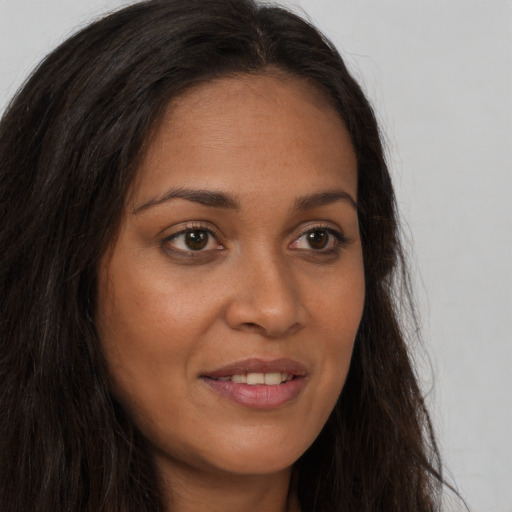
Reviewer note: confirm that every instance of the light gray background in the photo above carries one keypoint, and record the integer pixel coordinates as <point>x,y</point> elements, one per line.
<point>440,76</point>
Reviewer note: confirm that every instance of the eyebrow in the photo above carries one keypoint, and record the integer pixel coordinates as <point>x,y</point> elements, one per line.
<point>204,197</point>
<point>222,200</point>
<point>315,200</point>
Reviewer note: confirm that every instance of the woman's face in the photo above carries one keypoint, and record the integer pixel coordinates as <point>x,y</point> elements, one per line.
<point>229,303</point>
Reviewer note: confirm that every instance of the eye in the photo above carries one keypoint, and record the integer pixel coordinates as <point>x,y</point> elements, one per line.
<point>192,240</point>
<point>317,239</point>
<point>321,239</point>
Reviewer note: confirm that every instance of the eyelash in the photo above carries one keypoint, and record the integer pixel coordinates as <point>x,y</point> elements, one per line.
<point>190,228</point>
<point>340,240</point>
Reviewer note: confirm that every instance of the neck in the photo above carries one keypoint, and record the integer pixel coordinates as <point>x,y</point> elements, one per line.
<point>187,489</point>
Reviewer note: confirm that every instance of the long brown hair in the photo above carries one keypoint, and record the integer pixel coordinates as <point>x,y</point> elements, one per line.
<point>70,142</point>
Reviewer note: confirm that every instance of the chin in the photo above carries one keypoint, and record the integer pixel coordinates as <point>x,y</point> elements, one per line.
<point>261,458</point>
<point>256,465</point>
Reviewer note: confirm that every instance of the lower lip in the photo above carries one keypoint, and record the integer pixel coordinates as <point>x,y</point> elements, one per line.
<point>259,396</point>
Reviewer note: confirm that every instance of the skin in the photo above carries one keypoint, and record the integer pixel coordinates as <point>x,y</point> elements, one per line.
<point>168,314</point>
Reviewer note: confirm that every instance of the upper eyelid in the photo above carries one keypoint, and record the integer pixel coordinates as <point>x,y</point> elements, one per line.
<point>186,230</point>
<point>340,238</point>
<point>194,226</point>
<point>322,226</point>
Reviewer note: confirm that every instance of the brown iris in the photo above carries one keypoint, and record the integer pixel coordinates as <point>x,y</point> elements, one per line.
<point>197,239</point>
<point>318,239</point>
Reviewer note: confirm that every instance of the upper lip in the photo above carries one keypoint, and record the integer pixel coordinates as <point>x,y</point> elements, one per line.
<point>255,365</point>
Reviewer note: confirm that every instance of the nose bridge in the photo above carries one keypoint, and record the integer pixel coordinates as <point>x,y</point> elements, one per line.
<point>266,296</point>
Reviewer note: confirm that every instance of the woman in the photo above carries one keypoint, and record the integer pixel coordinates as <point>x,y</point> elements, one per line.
<point>198,279</point>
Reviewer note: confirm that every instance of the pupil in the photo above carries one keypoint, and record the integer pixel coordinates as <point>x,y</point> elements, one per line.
<point>318,239</point>
<point>196,240</point>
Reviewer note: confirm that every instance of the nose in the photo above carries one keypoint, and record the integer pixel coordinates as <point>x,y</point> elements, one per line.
<point>265,299</point>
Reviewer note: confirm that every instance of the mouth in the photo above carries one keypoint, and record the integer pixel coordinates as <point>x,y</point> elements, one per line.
<point>258,384</point>
<point>254,379</point>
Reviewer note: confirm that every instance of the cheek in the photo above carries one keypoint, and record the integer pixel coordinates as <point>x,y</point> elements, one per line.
<point>143,312</point>
<point>339,308</point>
<point>151,326</point>
<point>133,325</point>
<point>338,302</point>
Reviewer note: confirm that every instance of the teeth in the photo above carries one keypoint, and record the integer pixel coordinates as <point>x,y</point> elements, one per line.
<point>271,379</point>
<point>253,379</point>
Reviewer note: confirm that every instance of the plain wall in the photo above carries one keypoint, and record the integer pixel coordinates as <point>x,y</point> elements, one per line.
<point>440,76</point>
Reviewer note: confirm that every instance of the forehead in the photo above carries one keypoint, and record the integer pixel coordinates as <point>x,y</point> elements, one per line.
<point>247,132</point>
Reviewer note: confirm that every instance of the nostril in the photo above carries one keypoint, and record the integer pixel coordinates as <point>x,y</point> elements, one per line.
<point>269,331</point>
<point>252,326</point>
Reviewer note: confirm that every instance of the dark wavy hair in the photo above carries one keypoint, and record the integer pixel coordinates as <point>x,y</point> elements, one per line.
<point>70,144</point>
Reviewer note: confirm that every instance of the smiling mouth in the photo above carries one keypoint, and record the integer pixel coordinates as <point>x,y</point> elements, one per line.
<point>257,383</point>
<point>254,379</point>
<point>257,390</point>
